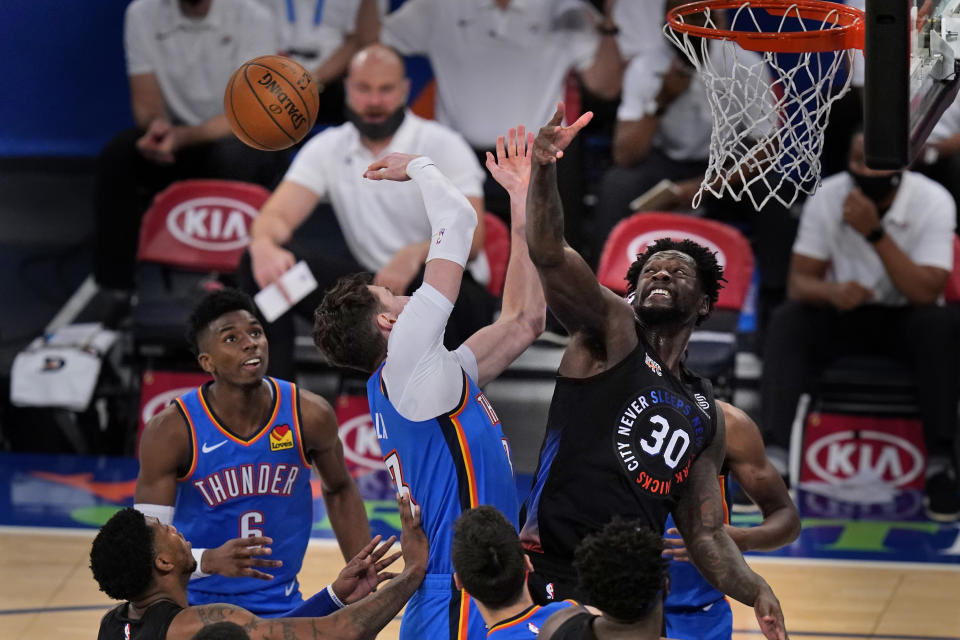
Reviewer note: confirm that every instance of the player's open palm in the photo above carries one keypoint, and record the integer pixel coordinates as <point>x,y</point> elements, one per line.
<point>553,137</point>
<point>240,557</point>
<point>392,166</point>
<point>511,167</point>
<point>365,571</point>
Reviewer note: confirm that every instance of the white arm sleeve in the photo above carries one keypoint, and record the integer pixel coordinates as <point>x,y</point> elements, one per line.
<point>452,217</point>
<point>423,379</point>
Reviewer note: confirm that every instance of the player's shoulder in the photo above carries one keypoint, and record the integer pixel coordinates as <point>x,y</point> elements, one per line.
<point>315,410</point>
<point>556,620</point>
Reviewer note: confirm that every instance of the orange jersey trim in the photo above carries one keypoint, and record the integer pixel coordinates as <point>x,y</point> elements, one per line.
<point>264,429</point>
<point>465,447</point>
<point>296,422</point>
<point>464,626</point>
<point>506,625</point>
<point>723,499</point>
<point>193,438</point>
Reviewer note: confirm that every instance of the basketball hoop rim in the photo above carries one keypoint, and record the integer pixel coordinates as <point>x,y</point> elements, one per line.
<point>849,35</point>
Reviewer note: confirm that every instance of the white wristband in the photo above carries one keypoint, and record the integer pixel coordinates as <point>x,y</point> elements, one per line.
<point>198,573</point>
<point>333,596</point>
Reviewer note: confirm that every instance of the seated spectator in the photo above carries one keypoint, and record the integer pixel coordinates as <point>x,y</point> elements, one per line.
<point>869,264</point>
<point>621,573</point>
<point>491,566</point>
<point>180,55</point>
<point>480,49</point>
<point>319,34</point>
<point>663,128</point>
<point>384,225</point>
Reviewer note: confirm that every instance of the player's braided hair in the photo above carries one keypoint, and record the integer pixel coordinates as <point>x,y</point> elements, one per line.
<point>488,556</point>
<point>121,557</point>
<point>709,271</point>
<point>211,307</point>
<point>621,570</point>
<point>344,328</point>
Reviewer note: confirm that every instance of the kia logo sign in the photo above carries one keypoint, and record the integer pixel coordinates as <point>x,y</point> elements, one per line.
<point>360,444</point>
<point>211,223</point>
<point>157,403</point>
<point>840,456</point>
<point>639,243</point>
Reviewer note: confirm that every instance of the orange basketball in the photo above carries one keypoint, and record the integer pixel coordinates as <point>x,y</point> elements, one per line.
<point>271,102</point>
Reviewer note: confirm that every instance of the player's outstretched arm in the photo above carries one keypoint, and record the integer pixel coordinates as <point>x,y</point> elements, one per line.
<point>523,309</point>
<point>699,516</point>
<point>572,291</point>
<point>361,620</point>
<point>322,446</point>
<point>452,218</point>
<point>753,471</point>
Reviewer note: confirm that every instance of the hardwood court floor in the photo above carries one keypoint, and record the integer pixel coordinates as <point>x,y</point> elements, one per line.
<point>46,591</point>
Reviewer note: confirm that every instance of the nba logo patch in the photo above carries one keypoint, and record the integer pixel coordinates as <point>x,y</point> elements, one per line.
<point>532,628</point>
<point>126,631</point>
<point>281,438</point>
<point>653,364</point>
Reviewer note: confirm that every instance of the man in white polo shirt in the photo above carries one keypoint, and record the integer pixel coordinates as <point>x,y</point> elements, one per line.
<point>517,50</point>
<point>869,265</point>
<point>180,54</point>
<point>385,225</point>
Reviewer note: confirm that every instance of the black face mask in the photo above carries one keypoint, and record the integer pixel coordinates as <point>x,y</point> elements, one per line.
<point>376,130</point>
<point>876,187</point>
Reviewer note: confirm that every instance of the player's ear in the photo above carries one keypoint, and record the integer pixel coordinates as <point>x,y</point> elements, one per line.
<point>162,562</point>
<point>385,321</point>
<point>205,362</point>
<point>456,581</point>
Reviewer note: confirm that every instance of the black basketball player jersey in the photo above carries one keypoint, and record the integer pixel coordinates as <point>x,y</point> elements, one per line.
<point>115,625</point>
<point>618,443</point>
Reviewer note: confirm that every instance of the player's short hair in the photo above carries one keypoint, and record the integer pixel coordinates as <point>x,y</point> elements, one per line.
<point>121,557</point>
<point>211,307</point>
<point>709,271</point>
<point>343,325</point>
<point>221,631</point>
<point>621,570</point>
<point>488,556</point>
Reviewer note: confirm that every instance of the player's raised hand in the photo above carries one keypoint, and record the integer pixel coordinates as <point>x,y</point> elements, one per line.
<point>413,541</point>
<point>237,558</point>
<point>365,571</point>
<point>769,615</point>
<point>553,137</point>
<point>511,167</point>
<point>392,166</point>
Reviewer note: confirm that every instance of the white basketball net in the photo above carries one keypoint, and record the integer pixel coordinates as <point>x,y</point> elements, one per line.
<point>768,117</point>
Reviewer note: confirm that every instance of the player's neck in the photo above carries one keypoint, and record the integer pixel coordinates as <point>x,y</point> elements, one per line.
<point>669,343</point>
<point>160,590</point>
<point>242,408</point>
<point>496,616</point>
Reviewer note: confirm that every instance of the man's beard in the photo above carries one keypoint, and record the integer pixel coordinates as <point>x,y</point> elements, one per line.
<point>659,316</point>
<point>376,130</point>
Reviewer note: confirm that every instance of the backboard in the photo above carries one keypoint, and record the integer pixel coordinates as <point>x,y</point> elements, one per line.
<point>912,56</point>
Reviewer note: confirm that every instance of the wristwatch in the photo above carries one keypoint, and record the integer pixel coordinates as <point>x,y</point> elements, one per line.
<point>876,234</point>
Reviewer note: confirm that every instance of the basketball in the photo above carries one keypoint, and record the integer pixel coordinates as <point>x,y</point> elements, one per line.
<point>271,102</point>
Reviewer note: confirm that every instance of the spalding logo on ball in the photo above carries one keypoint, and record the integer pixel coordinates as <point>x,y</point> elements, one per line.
<point>271,102</point>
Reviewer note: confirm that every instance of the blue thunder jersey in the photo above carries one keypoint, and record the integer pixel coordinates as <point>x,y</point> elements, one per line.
<point>526,624</point>
<point>448,464</point>
<point>237,488</point>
